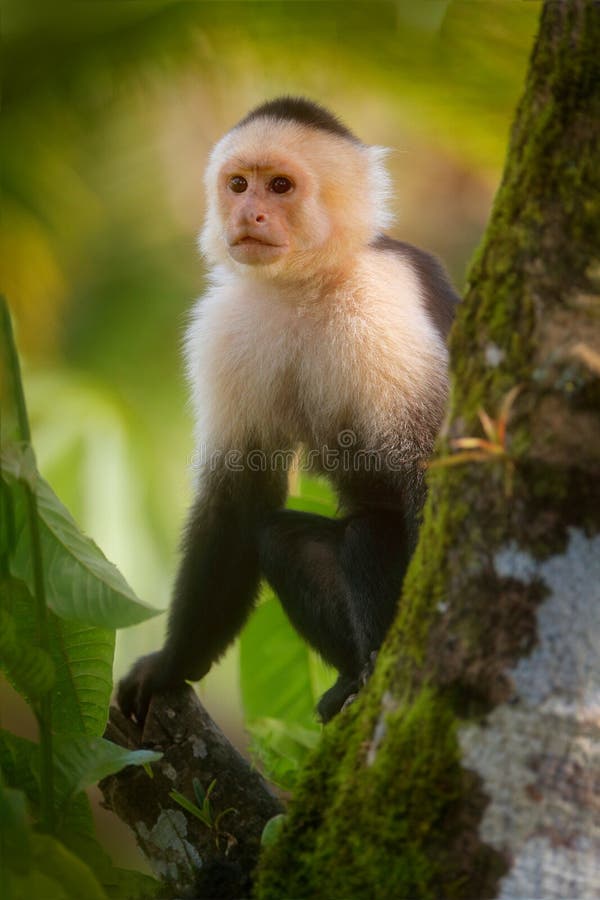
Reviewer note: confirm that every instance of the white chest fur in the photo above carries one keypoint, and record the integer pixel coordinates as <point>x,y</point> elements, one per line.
<point>274,368</point>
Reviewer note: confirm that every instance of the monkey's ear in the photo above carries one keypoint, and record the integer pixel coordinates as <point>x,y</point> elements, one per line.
<point>144,679</point>
<point>381,190</point>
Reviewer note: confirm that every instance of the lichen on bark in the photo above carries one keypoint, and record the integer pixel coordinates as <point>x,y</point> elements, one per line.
<point>389,806</point>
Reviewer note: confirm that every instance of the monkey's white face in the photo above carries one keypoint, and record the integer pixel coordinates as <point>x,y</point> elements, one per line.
<point>289,201</point>
<point>257,207</point>
<point>263,209</point>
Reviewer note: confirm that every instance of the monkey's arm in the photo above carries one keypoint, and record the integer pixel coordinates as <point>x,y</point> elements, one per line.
<point>215,587</point>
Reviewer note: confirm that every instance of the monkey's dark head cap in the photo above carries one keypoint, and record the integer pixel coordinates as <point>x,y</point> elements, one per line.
<point>303,111</point>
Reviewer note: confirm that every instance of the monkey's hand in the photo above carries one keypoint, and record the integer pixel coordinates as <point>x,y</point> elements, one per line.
<point>147,677</point>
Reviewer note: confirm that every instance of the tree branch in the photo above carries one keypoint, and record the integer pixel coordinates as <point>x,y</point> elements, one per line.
<point>209,846</point>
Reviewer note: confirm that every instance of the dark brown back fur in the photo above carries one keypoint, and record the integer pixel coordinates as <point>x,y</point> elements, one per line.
<point>439,295</point>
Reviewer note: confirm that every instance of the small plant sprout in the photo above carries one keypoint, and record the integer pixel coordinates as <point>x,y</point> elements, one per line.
<point>203,811</point>
<point>491,448</point>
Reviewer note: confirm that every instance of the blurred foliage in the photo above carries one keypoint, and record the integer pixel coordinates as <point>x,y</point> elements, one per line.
<point>60,603</point>
<point>108,113</point>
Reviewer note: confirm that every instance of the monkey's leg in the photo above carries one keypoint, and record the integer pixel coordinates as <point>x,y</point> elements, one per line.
<point>339,582</point>
<point>215,587</point>
<point>300,558</point>
<point>376,550</point>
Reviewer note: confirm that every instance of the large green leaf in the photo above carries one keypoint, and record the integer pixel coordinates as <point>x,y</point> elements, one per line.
<point>55,870</point>
<point>79,761</point>
<point>75,830</point>
<point>28,668</point>
<point>69,873</point>
<point>82,656</point>
<point>82,761</point>
<point>14,831</point>
<point>310,504</point>
<point>81,584</point>
<point>129,884</point>
<point>34,884</point>
<point>77,833</point>
<point>314,494</point>
<point>276,678</point>
<point>19,766</point>
<point>282,748</point>
<point>281,677</point>
<point>76,764</point>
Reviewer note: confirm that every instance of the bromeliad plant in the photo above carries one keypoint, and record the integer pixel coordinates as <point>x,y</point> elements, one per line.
<point>60,603</point>
<point>492,448</point>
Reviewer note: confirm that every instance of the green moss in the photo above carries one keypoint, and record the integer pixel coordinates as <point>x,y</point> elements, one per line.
<point>545,222</point>
<point>394,809</point>
<point>426,583</point>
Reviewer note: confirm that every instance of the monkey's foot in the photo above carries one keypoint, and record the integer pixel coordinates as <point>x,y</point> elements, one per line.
<point>345,691</point>
<point>334,699</point>
<point>367,669</point>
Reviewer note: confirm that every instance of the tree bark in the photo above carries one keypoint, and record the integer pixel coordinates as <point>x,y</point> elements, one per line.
<point>210,858</point>
<point>470,765</point>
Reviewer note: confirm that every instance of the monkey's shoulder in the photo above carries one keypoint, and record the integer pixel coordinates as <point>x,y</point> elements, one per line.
<point>436,290</point>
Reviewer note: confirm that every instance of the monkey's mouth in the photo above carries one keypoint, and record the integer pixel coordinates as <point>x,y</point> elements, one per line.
<point>251,250</point>
<point>250,241</point>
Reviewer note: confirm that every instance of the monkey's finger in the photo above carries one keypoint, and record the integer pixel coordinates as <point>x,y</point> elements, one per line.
<point>142,702</point>
<point>126,695</point>
<point>133,696</point>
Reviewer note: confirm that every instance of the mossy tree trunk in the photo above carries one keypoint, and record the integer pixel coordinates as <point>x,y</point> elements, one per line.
<point>469,768</point>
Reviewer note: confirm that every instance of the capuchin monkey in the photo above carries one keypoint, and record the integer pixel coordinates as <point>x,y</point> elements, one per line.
<point>317,331</point>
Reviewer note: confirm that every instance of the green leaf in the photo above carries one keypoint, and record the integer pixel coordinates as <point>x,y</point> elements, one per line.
<point>281,677</point>
<point>58,864</point>
<point>127,884</point>
<point>19,762</point>
<point>18,459</point>
<point>272,830</point>
<point>314,495</point>
<point>19,765</point>
<point>310,504</point>
<point>14,830</point>
<point>282,748</point>
<point>81,584</point>
<point>85,760</point>
<point>36,884</point>
<point>82,656</point>
<point>30,669</point>
<point>122,884</point>
<point>78,762</point>
<point>190,807</point>
<point>76,832</point>
<point>275,667</point>
<point>199,792</point>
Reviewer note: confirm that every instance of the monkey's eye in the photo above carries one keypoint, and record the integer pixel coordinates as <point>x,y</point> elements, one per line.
<point>280,184</point>
<point>237,184</point>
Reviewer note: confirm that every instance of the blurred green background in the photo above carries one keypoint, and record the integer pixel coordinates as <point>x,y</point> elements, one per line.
<point>108,113</point>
